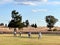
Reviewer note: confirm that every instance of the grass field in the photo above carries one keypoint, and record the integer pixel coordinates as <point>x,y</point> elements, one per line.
<point>47,39</point>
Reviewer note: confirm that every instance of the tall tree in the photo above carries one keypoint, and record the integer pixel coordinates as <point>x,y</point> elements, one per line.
<point>50,20</point>
<point>34,25</point>
<point>26,23</point>
<point>16,21</point>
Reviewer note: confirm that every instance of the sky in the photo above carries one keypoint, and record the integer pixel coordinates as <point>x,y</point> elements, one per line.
<point>33,10</point>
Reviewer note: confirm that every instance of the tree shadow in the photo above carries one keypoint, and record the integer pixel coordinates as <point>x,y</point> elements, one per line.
<point>27,37</point>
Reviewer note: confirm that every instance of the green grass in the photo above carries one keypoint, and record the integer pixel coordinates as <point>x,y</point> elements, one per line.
<point>48,39</point>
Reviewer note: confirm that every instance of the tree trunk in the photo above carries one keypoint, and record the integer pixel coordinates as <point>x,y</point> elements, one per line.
<point>14,31</point>
<point>21,32</point>
<point>50,28</point>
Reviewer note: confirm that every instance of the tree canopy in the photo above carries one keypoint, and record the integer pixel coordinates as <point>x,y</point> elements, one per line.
<point>16,20</point>
<point>50,20</point>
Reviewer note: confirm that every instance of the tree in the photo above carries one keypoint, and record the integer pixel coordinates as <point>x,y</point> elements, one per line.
<point>6,25</point>
<point>50,20</point>
<point>34,25</point>
<point>16,21</point>
<point>26,23</point>
<point>1,24</point>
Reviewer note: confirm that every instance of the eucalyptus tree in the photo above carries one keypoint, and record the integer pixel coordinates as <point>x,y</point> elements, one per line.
<point>16,21</point>
<point>50,20</point>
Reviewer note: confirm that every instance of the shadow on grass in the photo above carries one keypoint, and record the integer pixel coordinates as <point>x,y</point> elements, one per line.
<point>18,36</point>
<point>27,37</point>
<point>52,34</point>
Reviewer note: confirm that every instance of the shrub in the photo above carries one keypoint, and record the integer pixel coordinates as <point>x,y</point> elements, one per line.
<point>49,30</point>
<point>54,29</point>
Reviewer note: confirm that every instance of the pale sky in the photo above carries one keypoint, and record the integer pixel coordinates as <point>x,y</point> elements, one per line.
<point>33,10</point>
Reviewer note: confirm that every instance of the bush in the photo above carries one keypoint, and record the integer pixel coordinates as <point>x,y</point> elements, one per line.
<point>49,30</point>
<point>54,29</point>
